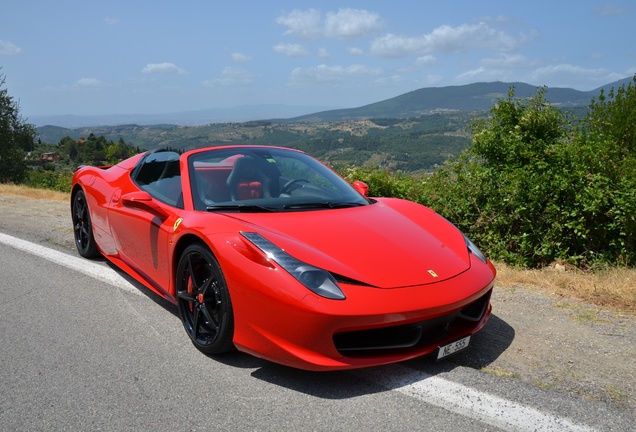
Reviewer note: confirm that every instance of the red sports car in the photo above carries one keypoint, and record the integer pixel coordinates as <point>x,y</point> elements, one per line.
<point>267,250</point>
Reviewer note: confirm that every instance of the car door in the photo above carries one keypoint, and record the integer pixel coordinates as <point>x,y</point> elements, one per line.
<point>142,217</point>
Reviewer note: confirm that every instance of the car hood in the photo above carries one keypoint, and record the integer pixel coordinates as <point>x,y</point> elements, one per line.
<point>389,244</point>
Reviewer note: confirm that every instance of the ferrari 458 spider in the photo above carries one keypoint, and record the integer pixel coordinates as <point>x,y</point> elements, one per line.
<point>267,250</point>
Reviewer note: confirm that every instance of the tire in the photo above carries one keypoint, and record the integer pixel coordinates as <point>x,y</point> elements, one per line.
<point>204,301</point>
<point>82,227</point>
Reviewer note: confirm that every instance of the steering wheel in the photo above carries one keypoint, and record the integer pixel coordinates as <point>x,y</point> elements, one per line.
<point>287,186</point>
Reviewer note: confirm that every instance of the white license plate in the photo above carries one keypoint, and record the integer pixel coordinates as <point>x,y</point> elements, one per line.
<point>453,347</point>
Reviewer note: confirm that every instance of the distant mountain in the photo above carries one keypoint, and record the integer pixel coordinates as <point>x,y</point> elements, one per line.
<point>186,118</point>
<point>470,97</point>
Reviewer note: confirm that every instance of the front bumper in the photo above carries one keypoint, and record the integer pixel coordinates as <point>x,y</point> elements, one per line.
<point>371,327</point>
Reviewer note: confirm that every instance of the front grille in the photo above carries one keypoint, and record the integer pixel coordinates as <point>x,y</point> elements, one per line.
<point>475,310</point>
<point>382,341</point>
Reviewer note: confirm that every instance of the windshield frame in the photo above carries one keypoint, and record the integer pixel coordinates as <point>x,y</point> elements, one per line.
<point>284,180</point>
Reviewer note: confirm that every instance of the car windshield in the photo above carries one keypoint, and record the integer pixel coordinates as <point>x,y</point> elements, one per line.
<point>261,179</point>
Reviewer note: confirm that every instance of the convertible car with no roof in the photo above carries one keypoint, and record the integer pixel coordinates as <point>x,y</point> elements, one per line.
<point>268,251</point>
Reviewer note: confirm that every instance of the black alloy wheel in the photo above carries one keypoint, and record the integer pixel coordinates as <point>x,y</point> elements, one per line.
<point>82,227</point>
<point>204,301</point>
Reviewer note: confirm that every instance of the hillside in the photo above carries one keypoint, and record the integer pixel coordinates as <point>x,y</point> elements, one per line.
<point>412,132</point>
<point>405,144</point>
<point>470,97</point>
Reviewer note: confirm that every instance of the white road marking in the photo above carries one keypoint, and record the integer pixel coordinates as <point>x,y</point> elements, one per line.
<point>458,398</point>
<point>89,268</point>
<point>454,397</point>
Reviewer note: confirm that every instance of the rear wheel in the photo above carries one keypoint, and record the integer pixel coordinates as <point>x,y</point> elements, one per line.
<point>82,227</point>
<point>204,301</point>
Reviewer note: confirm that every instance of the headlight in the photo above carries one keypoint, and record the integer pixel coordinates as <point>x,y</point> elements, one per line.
<point>475,250</point>
<point>317,280</point>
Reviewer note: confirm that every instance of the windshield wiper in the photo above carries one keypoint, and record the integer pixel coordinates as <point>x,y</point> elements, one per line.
<point>240,208</point>
<point>322,205</point>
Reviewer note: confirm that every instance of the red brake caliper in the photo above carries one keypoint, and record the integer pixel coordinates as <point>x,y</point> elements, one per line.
<point>190,290</point>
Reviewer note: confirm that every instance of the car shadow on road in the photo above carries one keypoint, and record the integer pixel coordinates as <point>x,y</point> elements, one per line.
<point>485,347</point>
<point>168,306</point>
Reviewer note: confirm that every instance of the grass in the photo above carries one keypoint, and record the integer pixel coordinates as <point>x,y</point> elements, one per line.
<point>613,288</point>
<point>609,287</point>
<point>25,191</point>
<point>500,373</point>
<point>582,313</point>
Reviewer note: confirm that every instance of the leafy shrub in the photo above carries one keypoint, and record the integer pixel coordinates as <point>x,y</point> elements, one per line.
<point>385,183</point>
<point>533,189</point>
<point>46,179</point>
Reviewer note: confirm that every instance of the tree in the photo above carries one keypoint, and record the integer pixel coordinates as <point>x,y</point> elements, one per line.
<point>16,136</point>
<point>533,189</point>
<point>604,175</point>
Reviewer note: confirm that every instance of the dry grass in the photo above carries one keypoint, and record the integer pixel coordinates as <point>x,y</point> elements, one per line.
<point>613,288</point>
<point>21,190</point>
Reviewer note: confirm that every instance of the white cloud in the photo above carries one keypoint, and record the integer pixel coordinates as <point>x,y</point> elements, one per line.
<point>479,74</point>
<point>323,53</point>
<point>8,48</point>
<point>427,60</point>
<point>482,74</point>
<point>433,80</point>
<point>290,50</point>
<point>77,86</point>
<point>566,74</point>
<point>240,57</point>
<point>304,24</point>
<point>164,68</point>
<point>111,21</point>
<point>89,83</point>
<point>611,10</point>
<point>332,74</point>
<point>390,80</point>
<point>562,75</point>
<point>499,19</point>
<point>445,39</point>
<point>231,76</point>
<point>345,24</point>
<point>352,23</point>
<point>508,61</point>
<point>355,51</point>
<point>394,46</point>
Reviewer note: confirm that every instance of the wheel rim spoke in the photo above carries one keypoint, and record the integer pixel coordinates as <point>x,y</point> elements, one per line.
<point>193,274</point>
<point>210,320</point>
<point>81,223</point>
<point>195,324</point>
<point>199,299</point>
<point>189,297</point>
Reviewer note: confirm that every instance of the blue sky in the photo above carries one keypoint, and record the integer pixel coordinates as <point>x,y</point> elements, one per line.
<point>149,57</point>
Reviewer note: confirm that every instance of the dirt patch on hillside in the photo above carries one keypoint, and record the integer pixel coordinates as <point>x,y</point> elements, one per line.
<point>545,340</point>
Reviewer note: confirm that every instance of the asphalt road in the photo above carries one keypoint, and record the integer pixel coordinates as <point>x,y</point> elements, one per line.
<point>85,349</point>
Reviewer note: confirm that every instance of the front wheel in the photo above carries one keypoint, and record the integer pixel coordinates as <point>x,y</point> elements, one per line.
<point>204,301</point>
<point>82,227</point>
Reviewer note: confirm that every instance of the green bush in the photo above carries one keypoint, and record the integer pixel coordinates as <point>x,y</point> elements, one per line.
<point>16,138</point>
<point>46,179</point>
<point>385,183</point>
<point>533,188</point>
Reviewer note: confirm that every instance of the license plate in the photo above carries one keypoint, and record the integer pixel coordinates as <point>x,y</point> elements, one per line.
<point>453,347</point>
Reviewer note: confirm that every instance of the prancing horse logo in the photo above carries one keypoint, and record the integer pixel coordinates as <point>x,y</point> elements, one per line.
<point>432,273</point>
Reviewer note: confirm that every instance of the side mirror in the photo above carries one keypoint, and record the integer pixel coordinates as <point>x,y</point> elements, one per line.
<point>143,201</point>
<point>362,188</point>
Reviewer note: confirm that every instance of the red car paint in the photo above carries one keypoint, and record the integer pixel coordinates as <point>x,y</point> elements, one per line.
<point>405,272</point>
